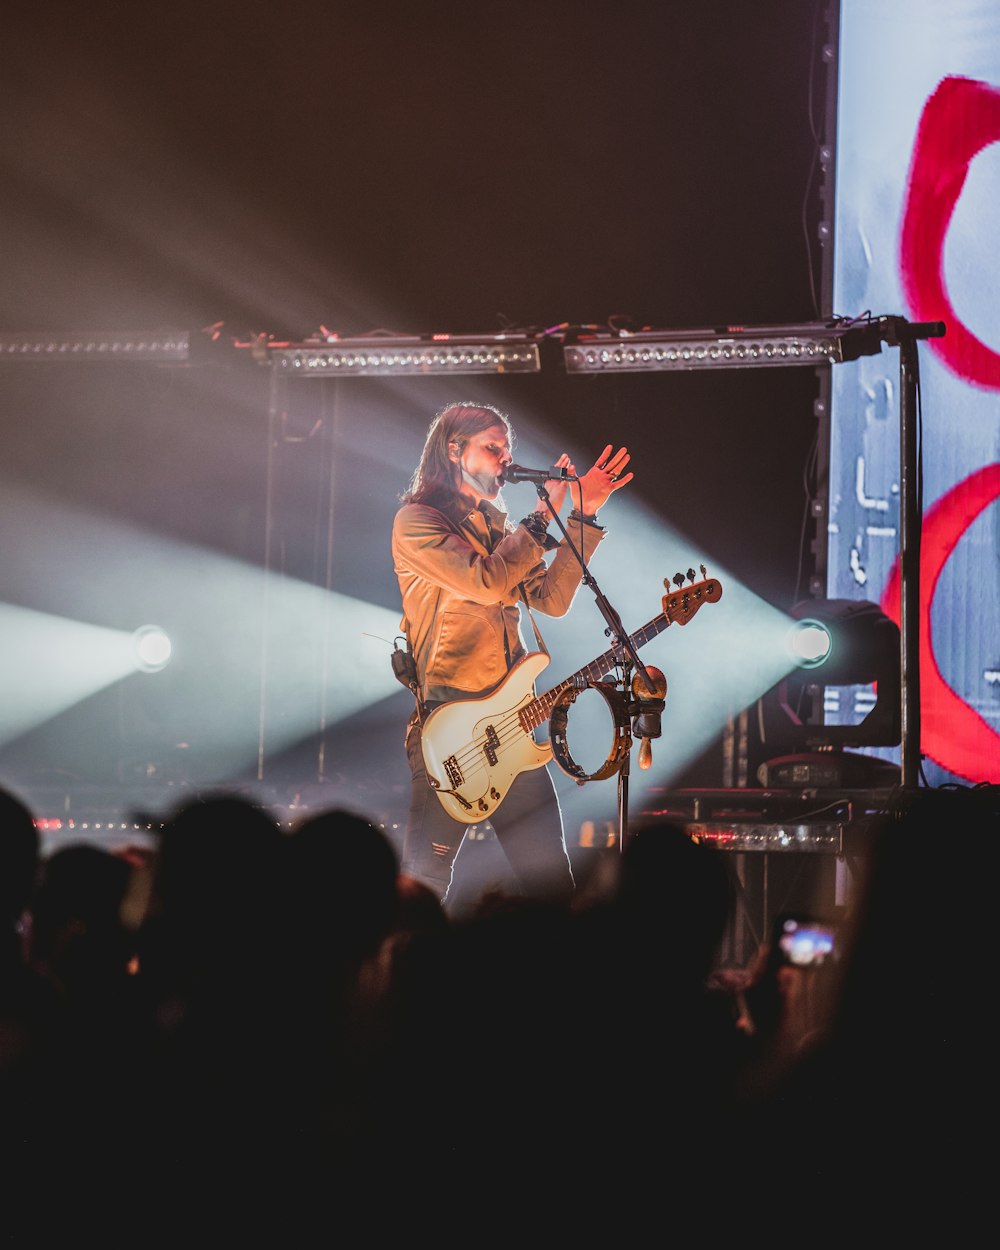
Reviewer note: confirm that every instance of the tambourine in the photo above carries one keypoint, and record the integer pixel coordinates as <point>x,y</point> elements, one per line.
<point>621,736</point>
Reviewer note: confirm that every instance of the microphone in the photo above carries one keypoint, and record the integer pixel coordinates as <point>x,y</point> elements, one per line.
<point>517,473</point>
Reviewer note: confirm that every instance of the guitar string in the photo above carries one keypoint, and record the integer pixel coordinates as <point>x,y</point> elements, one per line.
<point>508,727</point>
<point>471,759</point>
<point>510,731</point>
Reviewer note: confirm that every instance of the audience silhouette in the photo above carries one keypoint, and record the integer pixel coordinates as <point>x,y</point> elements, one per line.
<point>341,903</point>
<point>882,1092</point>
<point>212,953</point>
<point>290,1021</point>
<point>27,1005</point>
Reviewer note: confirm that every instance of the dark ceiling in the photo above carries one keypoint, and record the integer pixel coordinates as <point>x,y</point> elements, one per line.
<point>452,167</point>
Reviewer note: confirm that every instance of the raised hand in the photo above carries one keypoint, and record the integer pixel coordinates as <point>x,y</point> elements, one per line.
<point>557,487</point>
<point>601,481</point>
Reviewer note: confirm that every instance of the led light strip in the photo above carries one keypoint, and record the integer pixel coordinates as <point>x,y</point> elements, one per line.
<point>381,357</point>
<point>780,346</point>
<point>170,346</point>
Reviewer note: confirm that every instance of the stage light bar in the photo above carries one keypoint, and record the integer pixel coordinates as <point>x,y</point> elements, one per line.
<point>381,357</point>
<point>165,346</point>
<point>729,348</point>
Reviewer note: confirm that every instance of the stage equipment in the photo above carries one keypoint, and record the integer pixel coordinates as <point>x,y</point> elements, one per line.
<point>649,703</point>
<point>817,344</point>
<point>843,691</point>
<point>730,347</point>
<point>621,740</point>
<point>791,849</point>
<point>377,356</point>
<point>157,346</point>
<point>152,648</point>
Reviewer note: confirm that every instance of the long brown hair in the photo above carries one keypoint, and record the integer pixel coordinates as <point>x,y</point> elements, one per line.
<point>433,481</point>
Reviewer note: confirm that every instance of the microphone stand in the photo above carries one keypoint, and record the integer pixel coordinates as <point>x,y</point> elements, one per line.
<point>622,643</point>
<point>905,335</point>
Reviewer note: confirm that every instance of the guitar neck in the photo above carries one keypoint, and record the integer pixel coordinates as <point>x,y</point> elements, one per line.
<point>535,713</point>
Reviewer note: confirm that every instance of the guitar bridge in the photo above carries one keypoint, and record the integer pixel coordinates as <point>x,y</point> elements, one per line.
<point>454,772</point>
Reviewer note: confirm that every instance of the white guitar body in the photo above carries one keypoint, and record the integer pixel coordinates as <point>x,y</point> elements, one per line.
<point>495,746</point>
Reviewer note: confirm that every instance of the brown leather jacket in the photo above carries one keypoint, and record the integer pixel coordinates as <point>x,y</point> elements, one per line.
<point>459,581</point>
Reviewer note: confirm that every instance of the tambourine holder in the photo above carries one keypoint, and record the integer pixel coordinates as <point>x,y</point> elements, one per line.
<point>629,658</point>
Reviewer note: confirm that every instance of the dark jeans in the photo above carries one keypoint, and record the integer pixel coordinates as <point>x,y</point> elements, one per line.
<point>528,826</point>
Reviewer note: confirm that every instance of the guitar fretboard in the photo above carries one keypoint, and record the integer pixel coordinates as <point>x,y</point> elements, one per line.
<point>539,710</point>
<point>679,606</point>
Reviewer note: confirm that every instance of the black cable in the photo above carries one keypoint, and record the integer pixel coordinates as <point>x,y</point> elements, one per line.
<point>817,143</point>
<point>808,486</point>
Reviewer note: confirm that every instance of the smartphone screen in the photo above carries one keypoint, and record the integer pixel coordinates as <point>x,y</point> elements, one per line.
<point>805,942</point>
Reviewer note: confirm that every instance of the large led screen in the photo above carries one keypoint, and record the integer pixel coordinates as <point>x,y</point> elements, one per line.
<point>915,236</point>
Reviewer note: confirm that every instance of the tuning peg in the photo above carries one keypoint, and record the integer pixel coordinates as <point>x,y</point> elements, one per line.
<point>678,579</point>
<point>690,575</point>
<point>704,571</point>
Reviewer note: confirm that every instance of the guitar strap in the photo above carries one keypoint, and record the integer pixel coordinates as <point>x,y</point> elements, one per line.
<point>494,539</point>
<point>538,637</point>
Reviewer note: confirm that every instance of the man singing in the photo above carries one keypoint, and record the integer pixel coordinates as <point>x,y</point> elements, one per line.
<point>463,570</point>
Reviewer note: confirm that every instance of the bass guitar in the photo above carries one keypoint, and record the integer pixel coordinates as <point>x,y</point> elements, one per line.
<point>473,749</point>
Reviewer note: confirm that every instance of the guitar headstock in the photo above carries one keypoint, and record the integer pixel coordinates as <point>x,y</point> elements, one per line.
<point>680,605</point>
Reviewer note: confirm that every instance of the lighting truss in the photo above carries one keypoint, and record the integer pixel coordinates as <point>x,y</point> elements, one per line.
<point>735,347</point>
<point>165,346</point>
<point>381,357</point>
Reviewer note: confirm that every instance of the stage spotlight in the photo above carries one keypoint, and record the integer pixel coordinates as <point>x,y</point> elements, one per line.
<point>152,648</point>
<point>809,643</point>
<point>843,690</point>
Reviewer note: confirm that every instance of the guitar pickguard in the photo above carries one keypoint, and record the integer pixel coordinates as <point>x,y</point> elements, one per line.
<point>474,748</point>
